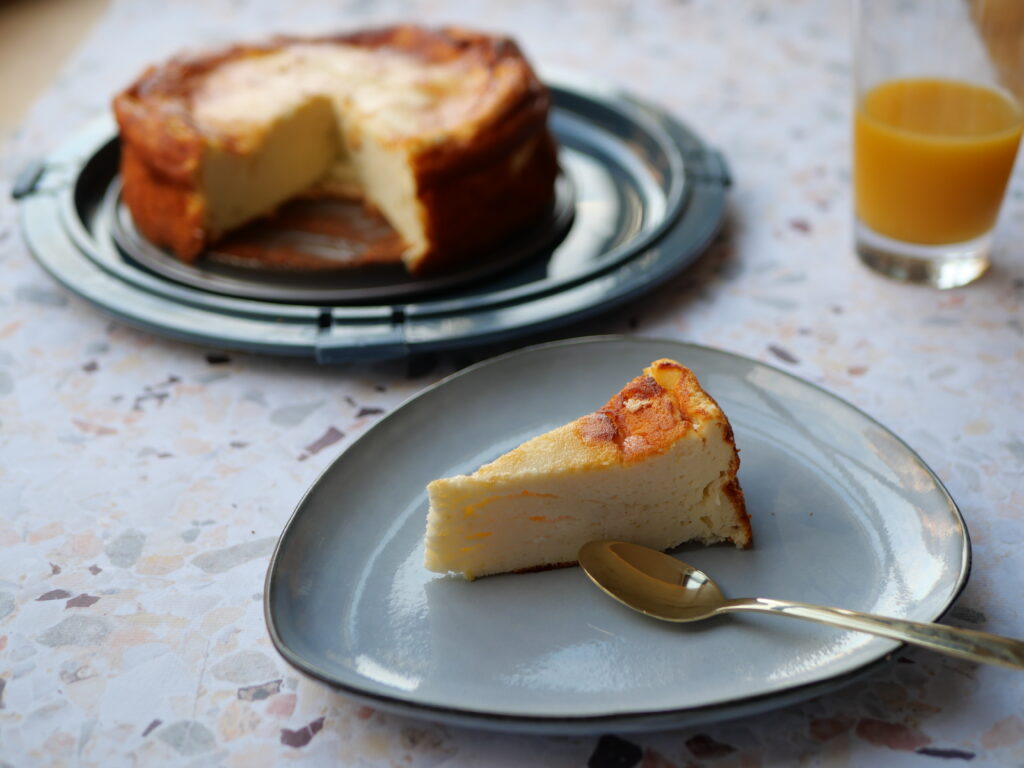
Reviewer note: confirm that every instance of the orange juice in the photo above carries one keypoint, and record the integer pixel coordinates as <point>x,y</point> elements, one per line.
<point>932,158</point>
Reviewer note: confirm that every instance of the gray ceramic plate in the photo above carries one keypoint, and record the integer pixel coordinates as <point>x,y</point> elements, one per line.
<point>844,514</point>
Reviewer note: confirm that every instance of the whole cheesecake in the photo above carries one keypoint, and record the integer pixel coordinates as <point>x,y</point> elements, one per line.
<point>655,466</point>
<point>443,131</point>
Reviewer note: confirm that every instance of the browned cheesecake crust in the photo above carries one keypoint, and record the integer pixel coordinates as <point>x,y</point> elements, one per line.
<point>476,185</point>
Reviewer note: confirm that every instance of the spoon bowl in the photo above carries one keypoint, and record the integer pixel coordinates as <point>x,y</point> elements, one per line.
<point>660,586</point>
<point>651,582</point>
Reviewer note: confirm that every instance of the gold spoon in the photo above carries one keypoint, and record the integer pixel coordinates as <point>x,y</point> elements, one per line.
<point>665,588</point>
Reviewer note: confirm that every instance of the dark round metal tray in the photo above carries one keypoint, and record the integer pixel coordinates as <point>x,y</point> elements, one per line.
<point>640,198</point>
<point>366,284</point>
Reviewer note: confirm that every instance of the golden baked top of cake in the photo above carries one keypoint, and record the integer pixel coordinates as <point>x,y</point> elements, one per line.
<point>647,417</point>
<point>651,413</point>
<point>448,91</point>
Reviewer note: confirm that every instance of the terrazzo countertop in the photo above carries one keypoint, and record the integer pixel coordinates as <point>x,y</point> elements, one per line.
<point>143,482</point>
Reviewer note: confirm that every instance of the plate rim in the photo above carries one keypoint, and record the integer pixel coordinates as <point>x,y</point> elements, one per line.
<point>646,720</point>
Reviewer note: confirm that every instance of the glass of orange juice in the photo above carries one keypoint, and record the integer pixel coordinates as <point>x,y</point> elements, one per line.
<point>936,127</point>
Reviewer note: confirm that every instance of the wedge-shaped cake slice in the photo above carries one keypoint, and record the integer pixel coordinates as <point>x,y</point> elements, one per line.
<point>655,466</point>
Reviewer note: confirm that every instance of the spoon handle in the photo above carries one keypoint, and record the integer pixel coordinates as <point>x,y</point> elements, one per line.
<point>965,643</point>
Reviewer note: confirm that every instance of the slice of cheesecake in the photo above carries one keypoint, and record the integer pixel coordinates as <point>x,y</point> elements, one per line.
<point>655,466</point>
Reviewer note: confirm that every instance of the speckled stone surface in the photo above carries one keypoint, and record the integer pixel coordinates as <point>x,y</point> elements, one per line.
<point>143,482</point>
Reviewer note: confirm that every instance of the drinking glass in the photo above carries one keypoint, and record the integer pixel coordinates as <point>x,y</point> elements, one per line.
<point>936,127</point>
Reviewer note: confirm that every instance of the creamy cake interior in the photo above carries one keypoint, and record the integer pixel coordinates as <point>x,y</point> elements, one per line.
<point>330,117</point>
